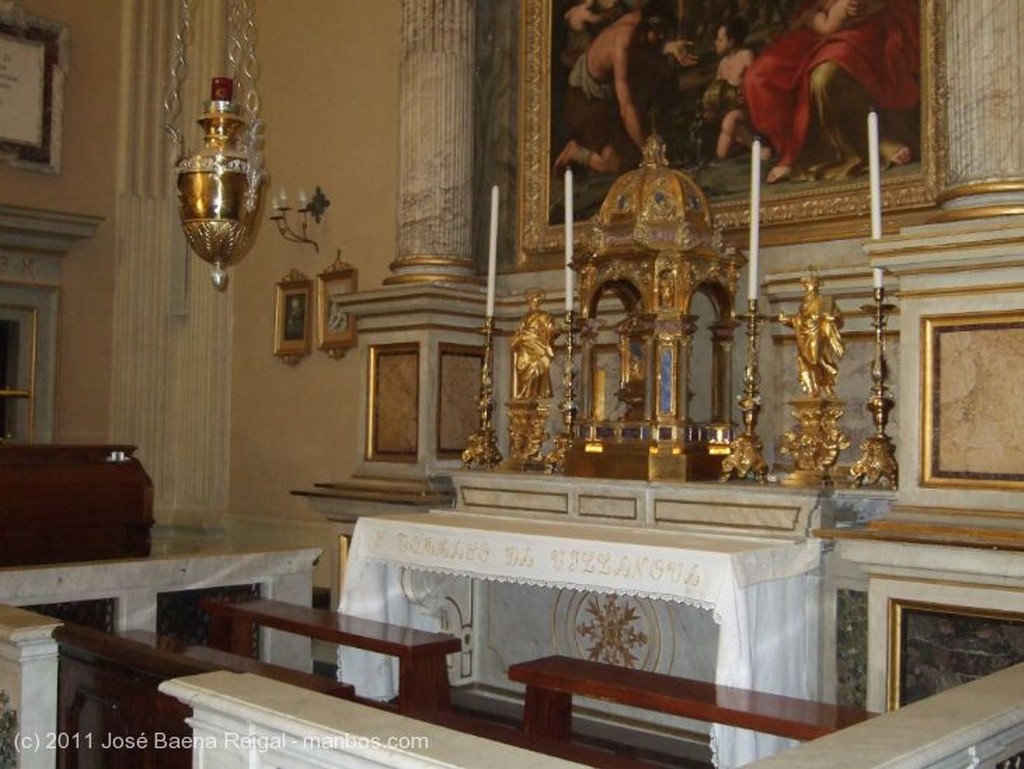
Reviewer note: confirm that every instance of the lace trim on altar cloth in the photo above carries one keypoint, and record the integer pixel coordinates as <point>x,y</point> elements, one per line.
<point>563,584</point>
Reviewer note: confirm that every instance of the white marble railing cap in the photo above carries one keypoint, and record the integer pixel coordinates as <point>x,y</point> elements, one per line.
<point>308,720</point>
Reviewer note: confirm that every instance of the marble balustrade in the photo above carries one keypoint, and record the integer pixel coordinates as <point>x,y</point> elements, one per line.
<point>29,656</point>
<point>244,720</point>
<point>135,583</point>
<point>28,676</point>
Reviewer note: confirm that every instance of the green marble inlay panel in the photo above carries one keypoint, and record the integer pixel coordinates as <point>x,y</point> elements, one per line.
<point>851,647</point>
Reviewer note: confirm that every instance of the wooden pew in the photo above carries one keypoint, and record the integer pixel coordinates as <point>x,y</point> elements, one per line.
<point>551,683</point>
<point>216,659</point>
<point>110,711</point>
<point>108,691</point>
<point>422,664</point>
<point>587,755</point>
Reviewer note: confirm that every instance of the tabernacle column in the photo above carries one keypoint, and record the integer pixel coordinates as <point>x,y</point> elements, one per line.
<point>435,143</point>
<point>985,146</point>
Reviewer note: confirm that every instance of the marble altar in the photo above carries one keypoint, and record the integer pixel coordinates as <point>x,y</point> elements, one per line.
<point>761,593</point>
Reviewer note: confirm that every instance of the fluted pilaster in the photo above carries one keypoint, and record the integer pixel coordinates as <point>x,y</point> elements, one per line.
<point>435,143</point>
<point>986,145</point>
<point>171,376</point>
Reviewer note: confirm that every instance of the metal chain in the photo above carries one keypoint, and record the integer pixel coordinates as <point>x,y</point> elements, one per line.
<point>234,42</point>
<point>250,67</point>
<point>179,68</point>
<point>245,35</point>
<point>241,51</point>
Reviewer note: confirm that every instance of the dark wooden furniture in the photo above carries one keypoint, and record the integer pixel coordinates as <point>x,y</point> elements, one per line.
<point>107,694</point>
<point>72,503</point>
<point>217,659</point>
<point>587,755</point>
<point>110,713</point>
<point>422,665</point>
<point>551,683</point>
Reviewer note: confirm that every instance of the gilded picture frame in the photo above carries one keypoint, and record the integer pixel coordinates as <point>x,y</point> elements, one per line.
<point>33,67</point>
<point>971,369</point>
<point>790,211</point>
<point>336,328</point>
<point>292,317</point>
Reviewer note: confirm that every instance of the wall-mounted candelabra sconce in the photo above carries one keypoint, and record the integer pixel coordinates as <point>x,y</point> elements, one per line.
<point>312,208</point>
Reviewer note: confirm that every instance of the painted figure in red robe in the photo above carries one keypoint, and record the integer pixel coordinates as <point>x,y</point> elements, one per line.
<point>809,91</point>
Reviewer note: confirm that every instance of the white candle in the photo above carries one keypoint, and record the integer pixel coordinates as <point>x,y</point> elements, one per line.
<point>492,252</point>
<point>568,240</point>
<point>875,177</point>
<point>755,217</point>
<point>282,199</point>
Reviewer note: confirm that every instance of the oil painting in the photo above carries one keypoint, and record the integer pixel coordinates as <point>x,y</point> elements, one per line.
<point>292,322</point>
<point>708,76</point>
<point>336,328</point>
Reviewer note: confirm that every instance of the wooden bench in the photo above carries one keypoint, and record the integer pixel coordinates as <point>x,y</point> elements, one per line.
<point>551,683</point>
<point>207,658</point>
<point>579,753</point>
<point>108,688</point>
<point>422,664</point>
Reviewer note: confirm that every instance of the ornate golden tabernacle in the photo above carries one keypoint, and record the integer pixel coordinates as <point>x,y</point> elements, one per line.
<point>657,291</point>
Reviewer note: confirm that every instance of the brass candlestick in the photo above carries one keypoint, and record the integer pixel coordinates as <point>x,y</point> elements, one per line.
<point>745,456</point>
<point>483,444</point>
<point>554,462</point>
<point>877,463</point>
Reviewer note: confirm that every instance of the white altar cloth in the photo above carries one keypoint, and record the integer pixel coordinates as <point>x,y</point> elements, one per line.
<point>758,591</point>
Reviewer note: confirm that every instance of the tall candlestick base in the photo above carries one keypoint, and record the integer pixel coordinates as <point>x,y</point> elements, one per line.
<point>482,449</point>
<point>554,462</point>
<point>876,465</point>
<point>745,457</point>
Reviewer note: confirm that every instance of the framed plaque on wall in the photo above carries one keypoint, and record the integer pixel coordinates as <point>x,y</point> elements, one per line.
<point>33,64</point>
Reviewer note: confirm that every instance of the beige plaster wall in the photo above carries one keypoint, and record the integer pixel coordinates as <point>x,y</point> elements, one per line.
<point>85,185</point>
<point>329,93</point>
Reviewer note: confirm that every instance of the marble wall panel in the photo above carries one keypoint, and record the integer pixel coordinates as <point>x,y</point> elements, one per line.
<point>972,386</point>
<point>458,415</point>
<point>940,647</point>
<point>395,402</point>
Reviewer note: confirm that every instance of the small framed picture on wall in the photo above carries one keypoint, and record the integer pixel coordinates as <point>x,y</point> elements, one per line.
<point>336,327</point>
<point>292,317</point>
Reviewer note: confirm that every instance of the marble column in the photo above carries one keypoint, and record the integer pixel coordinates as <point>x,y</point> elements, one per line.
<point>435,144</point>
<point>983,40</point>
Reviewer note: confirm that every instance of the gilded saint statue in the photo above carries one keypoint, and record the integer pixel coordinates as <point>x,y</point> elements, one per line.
<point>532,348</point>
<point>816,326</point>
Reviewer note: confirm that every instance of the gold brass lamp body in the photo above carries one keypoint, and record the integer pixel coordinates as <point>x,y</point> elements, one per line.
<point>218,187</point>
